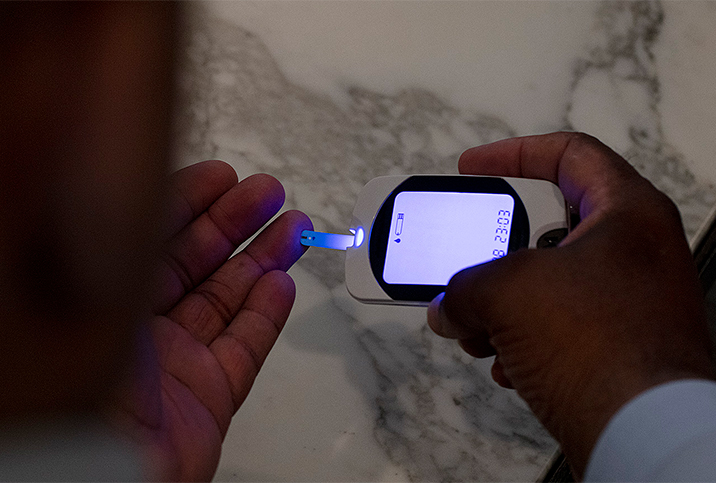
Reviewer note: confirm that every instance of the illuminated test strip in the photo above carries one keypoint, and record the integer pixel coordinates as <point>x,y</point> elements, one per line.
<point>330,240</point>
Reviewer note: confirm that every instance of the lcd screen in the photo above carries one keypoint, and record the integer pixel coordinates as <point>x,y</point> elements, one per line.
<point>434,234</point>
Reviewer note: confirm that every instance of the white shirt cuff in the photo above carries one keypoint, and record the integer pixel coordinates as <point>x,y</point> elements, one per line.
<point>654,432</point>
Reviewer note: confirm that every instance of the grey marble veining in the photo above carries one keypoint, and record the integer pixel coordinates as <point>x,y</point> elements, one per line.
<point>420,386</point>
<point>322,152</point>
<point>619,71</point>
<point>359,393</point>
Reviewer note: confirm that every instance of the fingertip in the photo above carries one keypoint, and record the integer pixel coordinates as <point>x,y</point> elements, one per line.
<point>492,159</point>
<point>300,220</point>
<point>297,222</point>
<point>269,185</point>
<point>279,245</point>
<point>282,283</point>
<point>220,170</point>
<point>194,189</point>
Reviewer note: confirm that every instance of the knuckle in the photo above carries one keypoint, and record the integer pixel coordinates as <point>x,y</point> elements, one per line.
<point>215,301</point>
<point>242,351</point>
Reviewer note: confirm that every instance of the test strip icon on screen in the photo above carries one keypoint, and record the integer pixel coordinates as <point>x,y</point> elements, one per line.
<point>399,224</point>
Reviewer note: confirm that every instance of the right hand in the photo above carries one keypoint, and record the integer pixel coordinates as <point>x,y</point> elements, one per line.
<point>580,329</point>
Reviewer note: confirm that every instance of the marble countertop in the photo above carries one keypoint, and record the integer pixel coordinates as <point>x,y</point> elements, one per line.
<point>326,95</point>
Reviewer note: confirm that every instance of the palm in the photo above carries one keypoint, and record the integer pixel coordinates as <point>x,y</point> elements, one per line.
<point>219,317</point>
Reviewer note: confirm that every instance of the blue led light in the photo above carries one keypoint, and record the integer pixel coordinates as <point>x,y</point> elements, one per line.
<point>360,236</point>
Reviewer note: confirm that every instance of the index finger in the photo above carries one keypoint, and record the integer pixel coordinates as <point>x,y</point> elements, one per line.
<point>588,173</point>
<point>202,246</point>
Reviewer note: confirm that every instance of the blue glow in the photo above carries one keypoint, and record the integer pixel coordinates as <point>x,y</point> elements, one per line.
<point>326,240</point>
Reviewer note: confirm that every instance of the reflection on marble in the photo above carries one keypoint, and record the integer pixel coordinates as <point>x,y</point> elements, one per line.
<point>326,96</point>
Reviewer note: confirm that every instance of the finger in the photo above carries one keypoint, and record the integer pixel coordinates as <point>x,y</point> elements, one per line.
<point>206,243</point>
<point>206,311</point>
<point>479,347</point>
<point>444,327</point>
<point>587,171</point>
<point>473,308</point>
<point>191,364</point>
<point>472,336</point>
<point>243,347</point>
<point>195,188</point>
<point>498,374</point>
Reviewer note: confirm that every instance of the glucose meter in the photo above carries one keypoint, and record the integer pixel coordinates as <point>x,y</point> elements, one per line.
<point>411,234</point>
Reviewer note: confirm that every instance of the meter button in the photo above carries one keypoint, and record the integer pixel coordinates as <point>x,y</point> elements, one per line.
<point>552,238</point>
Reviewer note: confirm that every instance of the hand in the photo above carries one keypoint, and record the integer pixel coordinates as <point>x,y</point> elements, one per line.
<point>580,329</point>
<point>216,319</point>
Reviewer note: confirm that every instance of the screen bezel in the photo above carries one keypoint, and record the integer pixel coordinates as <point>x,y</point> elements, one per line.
<point>380,231</point>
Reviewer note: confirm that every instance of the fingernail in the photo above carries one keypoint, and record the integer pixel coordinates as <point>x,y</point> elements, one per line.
<point>435,313</point>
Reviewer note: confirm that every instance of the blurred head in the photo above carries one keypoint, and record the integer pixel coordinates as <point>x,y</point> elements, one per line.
<point>85,108</point>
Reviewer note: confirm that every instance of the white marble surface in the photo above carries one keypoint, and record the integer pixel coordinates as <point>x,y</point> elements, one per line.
<point>327,95</point>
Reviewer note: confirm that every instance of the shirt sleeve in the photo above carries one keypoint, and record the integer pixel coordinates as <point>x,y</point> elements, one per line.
<point>667,433</point>
<point>72,449</point>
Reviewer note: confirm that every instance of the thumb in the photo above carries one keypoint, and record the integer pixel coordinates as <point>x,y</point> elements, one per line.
<point>477,298</point>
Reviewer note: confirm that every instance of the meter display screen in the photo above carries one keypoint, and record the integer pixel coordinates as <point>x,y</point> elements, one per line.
<point>435,234</point>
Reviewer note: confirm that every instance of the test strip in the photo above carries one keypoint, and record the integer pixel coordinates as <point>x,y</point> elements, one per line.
<point>326,240</point>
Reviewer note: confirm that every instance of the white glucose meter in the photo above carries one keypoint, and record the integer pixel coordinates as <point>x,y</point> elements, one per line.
<point>411,234</point>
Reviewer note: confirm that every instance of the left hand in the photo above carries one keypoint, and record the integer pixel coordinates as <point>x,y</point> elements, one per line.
<point>216,317</point>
